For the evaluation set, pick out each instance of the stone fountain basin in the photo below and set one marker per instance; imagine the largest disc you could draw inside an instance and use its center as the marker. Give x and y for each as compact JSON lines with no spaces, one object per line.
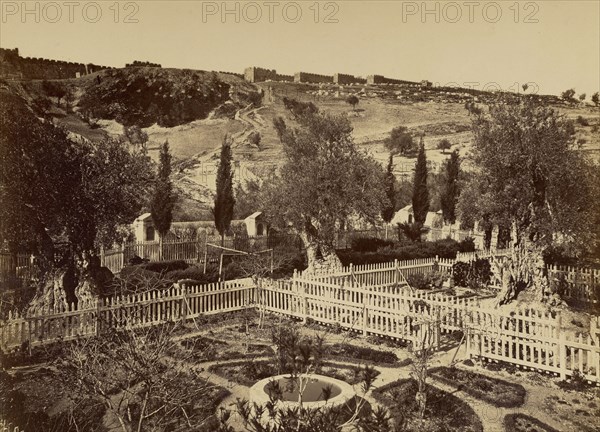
{"x":340,"y":391}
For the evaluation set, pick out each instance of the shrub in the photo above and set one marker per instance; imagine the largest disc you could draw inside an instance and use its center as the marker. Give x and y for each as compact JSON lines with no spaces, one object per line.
{"x":369,"y":244}
{"x":474,"y":274}
{"x":576,"y":383}
{"x":582,"y":121}
{"x":165,"y":266}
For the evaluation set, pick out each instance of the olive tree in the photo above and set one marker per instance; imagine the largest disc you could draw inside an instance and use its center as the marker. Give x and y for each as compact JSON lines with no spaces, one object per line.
{"x":530,"y":180}
{"x":324,"y":183}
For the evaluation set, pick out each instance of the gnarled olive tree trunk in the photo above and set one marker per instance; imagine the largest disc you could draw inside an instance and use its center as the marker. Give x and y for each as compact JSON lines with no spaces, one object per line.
{"x":79,"y":280}
{"x":320,"y":255}
{"x":523,"y":270}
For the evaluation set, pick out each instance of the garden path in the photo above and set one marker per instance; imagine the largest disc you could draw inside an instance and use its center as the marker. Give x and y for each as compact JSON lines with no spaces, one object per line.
{"x":491,"y":416}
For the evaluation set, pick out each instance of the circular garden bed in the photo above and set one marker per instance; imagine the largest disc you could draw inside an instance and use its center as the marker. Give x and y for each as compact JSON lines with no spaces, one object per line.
{"x":443,"y":412}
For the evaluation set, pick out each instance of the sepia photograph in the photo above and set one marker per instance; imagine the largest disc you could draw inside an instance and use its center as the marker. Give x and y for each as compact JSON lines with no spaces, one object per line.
{"x":300,"y":216}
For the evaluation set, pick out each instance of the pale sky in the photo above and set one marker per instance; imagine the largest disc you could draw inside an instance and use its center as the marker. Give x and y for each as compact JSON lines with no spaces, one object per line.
{"x":554,"y":44}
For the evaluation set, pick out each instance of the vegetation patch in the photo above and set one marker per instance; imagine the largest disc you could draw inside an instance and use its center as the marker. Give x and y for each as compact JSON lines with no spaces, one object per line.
{"x":518,"y":422}
{"x":426,"y":281}
{"x":27,"y":399}
{"x":208,"y":349}
{"x":145,"y":96}
{"x":444,"y":411}
{"x":249,"y":372}
{"x":356,"y":353}
{"x":442,"y":248}
{"x":495,"y":391}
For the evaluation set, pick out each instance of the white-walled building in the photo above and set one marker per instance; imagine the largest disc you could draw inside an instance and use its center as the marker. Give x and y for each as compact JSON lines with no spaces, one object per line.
{"x":144,"y":230}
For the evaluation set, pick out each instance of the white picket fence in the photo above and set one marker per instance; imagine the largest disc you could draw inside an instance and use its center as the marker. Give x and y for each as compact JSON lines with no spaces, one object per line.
{"x":581,"y":284}
{"x":369,"y":299}
{"x":380,"y":274}
{"x":533,"y":340}
{"x":130,"y":311}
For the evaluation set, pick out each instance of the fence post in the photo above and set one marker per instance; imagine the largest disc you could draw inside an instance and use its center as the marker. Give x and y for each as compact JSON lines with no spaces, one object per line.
{"x":365,"y":319}
{"x":397,"y":270}
{"x":98,"y":320}
{"x":184,"y":308}
{"x":562,"y":348}
{"x":102,"y":257}
{"x":122,"y":254}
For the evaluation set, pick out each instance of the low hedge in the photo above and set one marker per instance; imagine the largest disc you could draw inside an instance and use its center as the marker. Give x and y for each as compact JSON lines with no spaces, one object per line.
{"x":369,"y":244}
{"x":253,"y":371}
{"x":518,"y":422}
{"x":352,"y":352}
{"x":444,"y":411}
{"x":442,"y":248}
{"x":495,"y":391}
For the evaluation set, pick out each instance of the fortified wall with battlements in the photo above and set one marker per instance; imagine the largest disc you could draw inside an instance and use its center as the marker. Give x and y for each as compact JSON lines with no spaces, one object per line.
{"x":12,"y":65}
{"x":257,"y":74}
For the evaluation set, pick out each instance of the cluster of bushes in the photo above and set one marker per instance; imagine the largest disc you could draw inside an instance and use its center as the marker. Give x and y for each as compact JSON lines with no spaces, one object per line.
{"x":162,"y":274}
{"x":369,"y":244}
{"x":298,"y":108}
{"x":474,"y":274}
{"x":430,"y":280}
{"x":442,"y":248}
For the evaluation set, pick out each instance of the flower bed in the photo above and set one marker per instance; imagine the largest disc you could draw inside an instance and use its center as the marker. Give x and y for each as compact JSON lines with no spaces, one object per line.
{"x":208,"y":349}
{"x":354,"y":353}
{"x":443,"y":411}
{"x":248,"y":372}
{"x":523,"y":423}
{"x":495,"y":391}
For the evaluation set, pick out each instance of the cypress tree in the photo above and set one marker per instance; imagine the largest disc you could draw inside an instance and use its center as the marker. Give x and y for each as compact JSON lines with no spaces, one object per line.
{"x":224,"y":200}
{"x":420,"y":197}
{"x":387,"y":212}
{"x":163,"y":201}
{"x":451,"y":189}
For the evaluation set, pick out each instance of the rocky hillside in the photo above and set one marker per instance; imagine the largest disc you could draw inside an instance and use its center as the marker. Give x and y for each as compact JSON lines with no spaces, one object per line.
{"x":145,"y":96}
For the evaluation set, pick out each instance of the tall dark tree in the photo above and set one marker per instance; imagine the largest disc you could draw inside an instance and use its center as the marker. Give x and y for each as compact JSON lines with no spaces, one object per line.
{"x":387,"y":212}
{"x":451,"y":189}
{"x":163,"y":201}
{"x":420,"y":197}
{"x":224,"y":200}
